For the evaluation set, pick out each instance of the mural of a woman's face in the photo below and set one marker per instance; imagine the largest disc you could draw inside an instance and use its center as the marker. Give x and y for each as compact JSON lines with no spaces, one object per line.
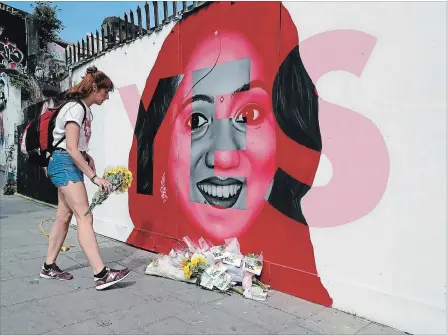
{"x":222,"y":152}
{"x":211,"y":155}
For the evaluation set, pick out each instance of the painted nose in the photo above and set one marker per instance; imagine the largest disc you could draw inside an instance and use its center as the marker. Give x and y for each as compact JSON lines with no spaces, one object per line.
{"x":225,"y":149}
{"x":223,"y":159}
{"x":226,"y":159}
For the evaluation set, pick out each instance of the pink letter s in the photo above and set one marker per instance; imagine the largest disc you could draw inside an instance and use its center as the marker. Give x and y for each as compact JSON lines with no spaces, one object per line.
{"x":351,"y":141}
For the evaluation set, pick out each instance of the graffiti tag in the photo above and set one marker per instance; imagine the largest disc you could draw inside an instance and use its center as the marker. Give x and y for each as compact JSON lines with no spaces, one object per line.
{"x":13,"y":66}
{"x":9,"y":9}
{"x":11,"y":53}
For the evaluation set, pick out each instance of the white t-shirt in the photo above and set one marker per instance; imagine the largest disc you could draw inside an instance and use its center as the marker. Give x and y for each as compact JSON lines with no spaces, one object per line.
{"x":73,"y":111}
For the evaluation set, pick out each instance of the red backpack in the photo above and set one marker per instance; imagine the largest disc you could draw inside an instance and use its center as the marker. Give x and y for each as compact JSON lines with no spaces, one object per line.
{"x":37,"y":137}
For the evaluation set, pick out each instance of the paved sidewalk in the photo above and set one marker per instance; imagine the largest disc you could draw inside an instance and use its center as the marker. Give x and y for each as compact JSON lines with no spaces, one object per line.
{"x":141,"y":304}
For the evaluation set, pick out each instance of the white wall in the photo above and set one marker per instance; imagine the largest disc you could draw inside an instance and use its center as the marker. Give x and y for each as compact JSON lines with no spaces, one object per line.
{"x":390,"y":264}
{"x":12,"y":117}
{"x":112,"y":131}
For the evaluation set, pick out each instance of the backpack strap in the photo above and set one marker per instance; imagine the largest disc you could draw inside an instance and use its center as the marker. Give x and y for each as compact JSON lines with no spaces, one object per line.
{"x":83,"y":120}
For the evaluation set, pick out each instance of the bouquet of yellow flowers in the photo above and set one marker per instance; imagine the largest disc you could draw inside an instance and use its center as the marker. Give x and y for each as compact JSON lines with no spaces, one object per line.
{"x":120,"y":178}
{"x":194,"y":266}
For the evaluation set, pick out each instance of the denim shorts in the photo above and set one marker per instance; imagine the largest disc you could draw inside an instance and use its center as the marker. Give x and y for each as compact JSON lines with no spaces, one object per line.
{"x":62,"y":169}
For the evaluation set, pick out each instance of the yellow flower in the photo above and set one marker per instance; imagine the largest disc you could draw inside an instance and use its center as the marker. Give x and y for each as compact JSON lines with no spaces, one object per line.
{"x":187,"y":272}
{"x":196,"y":261}
{"x":125,"y":175}
{"x":199,"y":259}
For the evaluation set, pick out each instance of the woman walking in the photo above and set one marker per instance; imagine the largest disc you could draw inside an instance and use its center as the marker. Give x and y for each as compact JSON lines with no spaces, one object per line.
{"x":67,"y":167}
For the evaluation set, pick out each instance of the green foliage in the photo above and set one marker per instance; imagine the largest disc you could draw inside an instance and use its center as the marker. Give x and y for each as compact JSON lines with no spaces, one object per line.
{"x":28,"y":86}
{"x":19,"y":81}
{"x":48,"y":24}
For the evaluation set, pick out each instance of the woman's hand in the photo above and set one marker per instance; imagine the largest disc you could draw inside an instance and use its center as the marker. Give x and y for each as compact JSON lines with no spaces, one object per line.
{"x":103,"y":184}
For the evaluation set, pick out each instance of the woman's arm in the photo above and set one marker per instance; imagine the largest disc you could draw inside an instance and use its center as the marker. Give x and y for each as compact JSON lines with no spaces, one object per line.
{"x":72,"y":131}
{"x":91,"y":162}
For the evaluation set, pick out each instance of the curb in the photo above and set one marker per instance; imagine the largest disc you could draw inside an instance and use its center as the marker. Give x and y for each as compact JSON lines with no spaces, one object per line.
{"x":35,"y":200}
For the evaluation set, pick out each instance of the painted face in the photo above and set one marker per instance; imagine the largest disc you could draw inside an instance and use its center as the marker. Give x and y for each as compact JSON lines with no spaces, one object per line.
{"x":222,"y":156}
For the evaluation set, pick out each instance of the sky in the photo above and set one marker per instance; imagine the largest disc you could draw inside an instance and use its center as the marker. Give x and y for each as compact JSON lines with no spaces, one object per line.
{"x":82,"y":17}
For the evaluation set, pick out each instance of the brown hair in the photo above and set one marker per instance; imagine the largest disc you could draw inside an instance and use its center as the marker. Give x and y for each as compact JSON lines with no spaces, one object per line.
{"x":85,"y":87}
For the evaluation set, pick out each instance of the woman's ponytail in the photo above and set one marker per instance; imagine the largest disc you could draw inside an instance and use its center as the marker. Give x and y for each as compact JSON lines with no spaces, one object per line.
{"x":85,"y":87}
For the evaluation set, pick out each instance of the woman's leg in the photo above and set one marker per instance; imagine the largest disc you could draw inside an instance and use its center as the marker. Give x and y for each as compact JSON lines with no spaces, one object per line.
{"x":76,"y":198}
{"x":59,"y":230}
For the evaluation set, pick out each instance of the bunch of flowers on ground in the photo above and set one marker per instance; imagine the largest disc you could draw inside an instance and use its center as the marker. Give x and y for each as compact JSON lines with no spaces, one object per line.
{"x":222,"y":268}
{"x":194,"y":267}
{"x":120,"y":178}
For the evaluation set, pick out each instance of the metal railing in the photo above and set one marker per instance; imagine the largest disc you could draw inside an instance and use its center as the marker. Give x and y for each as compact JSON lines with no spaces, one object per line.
{"x":118,"y":31}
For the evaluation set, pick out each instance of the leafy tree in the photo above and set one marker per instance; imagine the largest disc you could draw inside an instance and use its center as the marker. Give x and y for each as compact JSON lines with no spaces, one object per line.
{"x":48,"y":25}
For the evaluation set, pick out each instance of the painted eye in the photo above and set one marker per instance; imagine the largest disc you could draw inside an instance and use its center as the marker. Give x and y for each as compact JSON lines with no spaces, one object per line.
{"x":251,"y":114}
{"x":196,"y":121}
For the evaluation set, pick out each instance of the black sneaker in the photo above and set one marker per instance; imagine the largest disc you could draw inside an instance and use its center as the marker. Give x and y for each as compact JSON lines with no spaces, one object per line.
{"x":54,"y":272}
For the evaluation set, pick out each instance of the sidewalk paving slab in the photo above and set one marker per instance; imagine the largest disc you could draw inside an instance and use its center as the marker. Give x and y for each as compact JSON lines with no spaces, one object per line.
{"x":175,"y":326}
{"x":90,"y":326}
{"x":26,"y":318}
{"x":378,"y":329}
{"x":141,"y":304}
{"x":213,"y":320}
{"x":290,"y":304}
{"x":332,"y":321}
{"x":264,"y":316}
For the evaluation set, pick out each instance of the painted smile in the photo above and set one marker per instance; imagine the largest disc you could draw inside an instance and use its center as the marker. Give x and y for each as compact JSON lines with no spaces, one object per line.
{"x":222,"y":193}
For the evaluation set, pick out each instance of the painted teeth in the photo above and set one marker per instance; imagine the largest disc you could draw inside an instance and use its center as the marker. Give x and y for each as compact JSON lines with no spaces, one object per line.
{"x":220,"y":191}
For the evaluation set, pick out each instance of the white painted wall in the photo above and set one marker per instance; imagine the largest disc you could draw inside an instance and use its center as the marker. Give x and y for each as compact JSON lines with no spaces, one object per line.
{"x":112,"y":132}
{"x":390,"y":265}
{"x":12,"y":117}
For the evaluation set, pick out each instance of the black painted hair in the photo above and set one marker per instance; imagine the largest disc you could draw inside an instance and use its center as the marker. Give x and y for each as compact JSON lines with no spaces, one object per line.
{"x":146,"y":127}
{"x":295,"y":106}
{"x":295,"y":102}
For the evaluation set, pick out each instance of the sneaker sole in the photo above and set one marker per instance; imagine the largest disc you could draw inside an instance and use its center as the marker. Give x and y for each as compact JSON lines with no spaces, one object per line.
{"x":104,"y":286}
{"x":49,"y":277}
